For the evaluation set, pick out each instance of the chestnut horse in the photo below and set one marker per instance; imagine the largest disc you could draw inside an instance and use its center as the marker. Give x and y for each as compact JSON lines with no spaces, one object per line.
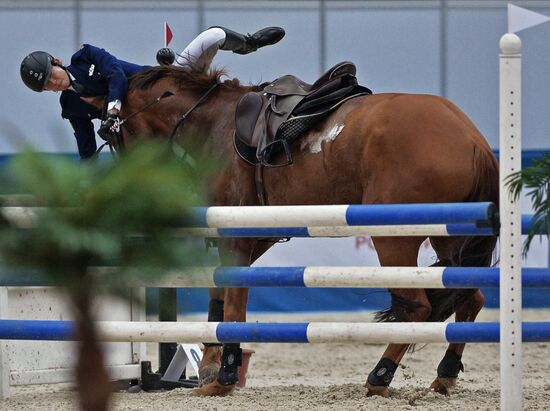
{"x":390,"y":148}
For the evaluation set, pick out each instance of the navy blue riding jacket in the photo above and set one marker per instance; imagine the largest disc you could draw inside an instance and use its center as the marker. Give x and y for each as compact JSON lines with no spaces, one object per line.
{"x":99,"y":74}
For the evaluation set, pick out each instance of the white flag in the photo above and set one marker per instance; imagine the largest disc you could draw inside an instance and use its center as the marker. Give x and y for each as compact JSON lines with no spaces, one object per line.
{"x":520,"y":18}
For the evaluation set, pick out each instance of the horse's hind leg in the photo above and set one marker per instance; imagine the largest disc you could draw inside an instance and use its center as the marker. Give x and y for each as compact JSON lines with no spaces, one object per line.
{"x":451,"y":364}
{"x":407,"y":305}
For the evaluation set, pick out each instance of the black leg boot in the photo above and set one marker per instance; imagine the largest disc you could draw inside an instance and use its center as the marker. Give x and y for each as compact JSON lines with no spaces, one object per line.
{"x":244,"y":44}
{"x":215,"y":314}
{"x":215,"y":310}
{"x":231,"y":361}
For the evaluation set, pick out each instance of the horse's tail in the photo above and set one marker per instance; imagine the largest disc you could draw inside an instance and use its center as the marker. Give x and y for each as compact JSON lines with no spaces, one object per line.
{"x":457,"y":251}
{"x":477,"y":251}
{"x":468,"y":251}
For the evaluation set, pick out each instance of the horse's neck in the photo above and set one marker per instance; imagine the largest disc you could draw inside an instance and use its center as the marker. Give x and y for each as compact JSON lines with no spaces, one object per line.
{"x":217,"y":120}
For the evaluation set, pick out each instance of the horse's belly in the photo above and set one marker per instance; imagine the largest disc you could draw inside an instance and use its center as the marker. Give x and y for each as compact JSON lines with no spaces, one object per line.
{"x":326,"y":166}
{"x":315,"y":178}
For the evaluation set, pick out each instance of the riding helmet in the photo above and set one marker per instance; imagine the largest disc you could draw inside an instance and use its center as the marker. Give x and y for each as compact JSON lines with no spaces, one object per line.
{"x":36,"y":69}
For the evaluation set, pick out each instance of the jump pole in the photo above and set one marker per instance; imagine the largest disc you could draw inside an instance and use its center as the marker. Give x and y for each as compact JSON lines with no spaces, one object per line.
{"x":298,"y":277}
{"x":511,"y":362}
{"x":314,"y":332}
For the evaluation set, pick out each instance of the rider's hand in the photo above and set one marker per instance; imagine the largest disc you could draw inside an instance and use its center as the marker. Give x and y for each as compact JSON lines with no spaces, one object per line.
{"x":110,"y":126}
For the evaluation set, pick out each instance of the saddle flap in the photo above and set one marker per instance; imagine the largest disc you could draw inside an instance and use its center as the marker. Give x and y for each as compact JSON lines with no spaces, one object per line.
{"x":247,"y":112}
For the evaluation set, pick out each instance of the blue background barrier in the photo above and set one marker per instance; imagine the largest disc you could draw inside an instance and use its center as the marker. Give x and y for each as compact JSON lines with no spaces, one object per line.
{"x":302,"y":300}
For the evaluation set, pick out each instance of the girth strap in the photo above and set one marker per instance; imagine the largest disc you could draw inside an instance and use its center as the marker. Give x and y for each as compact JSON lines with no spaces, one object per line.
{"x":259,"y":181}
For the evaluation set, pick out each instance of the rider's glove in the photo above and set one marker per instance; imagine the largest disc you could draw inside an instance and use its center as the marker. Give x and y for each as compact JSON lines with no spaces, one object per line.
{"x":109,"y":127}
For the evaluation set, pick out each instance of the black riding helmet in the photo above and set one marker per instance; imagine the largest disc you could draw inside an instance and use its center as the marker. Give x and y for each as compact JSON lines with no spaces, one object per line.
{"x":36,"y":70}
{"x":166,"y":56}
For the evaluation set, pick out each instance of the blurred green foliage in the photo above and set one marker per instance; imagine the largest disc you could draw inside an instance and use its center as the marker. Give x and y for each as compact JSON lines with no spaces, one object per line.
{"x":118,"y":213}
{"x":536,"y":180}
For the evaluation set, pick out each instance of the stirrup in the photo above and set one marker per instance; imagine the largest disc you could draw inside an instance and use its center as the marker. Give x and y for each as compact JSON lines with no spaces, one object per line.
{"x":270,"y":148}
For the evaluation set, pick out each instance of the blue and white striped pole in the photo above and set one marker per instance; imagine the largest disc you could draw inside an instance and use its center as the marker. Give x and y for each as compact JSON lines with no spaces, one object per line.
{"x":25,"y":217}
{"x":315,"y":216}
{"x":341,"y":215}
{"x":316,"y":332}
{"x":440,"y":230}
{"x":305,"y":277}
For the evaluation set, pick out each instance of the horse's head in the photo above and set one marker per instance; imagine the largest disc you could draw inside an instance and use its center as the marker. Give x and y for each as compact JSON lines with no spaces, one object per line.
{"x":197,"y":103}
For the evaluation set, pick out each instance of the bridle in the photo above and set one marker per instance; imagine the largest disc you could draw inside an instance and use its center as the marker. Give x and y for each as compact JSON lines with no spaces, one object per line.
{"x":177,"y":149}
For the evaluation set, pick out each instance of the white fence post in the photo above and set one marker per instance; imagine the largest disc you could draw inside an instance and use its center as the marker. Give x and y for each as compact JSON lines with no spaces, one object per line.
{"x":511,"y":363}
{"x":4,"y":360}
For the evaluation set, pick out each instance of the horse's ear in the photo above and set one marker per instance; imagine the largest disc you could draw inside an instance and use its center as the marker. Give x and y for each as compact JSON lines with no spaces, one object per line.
{"x":96,"y":101}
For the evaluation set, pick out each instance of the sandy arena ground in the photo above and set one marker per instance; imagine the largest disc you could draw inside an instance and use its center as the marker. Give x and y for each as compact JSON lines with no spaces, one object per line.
{"x":331,"y":377}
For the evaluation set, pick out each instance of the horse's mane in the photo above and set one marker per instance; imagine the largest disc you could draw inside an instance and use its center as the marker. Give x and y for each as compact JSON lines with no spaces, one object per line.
{"x":185,"y":78}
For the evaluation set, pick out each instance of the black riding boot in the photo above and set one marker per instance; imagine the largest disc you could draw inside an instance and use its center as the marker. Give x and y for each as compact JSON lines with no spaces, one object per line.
{"x":244,"y":44}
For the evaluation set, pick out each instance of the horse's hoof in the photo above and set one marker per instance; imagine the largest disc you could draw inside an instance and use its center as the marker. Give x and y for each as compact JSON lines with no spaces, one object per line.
{"x":214,"y":389}
{"x":210,"y":364}
{"x":208,"y":374}
{"x":443,"y":385}
{"x":379,"y":390}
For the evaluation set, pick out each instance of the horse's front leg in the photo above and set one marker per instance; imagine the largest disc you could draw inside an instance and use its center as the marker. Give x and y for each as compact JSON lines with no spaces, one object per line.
{"x":451,"y":364}
{"x":231,"y":353}
{"x":221,"y":363}
{"x":212,"y":352}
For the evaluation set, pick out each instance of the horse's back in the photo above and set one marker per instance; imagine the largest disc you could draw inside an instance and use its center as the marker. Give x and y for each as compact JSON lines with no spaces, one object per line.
{"x":384,"y":148}
{"x":419,"y":148}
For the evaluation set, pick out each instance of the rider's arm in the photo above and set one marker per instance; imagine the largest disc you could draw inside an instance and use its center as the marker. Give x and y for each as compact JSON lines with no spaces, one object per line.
{"x":80,"y":116}
{"x":112,"y":70}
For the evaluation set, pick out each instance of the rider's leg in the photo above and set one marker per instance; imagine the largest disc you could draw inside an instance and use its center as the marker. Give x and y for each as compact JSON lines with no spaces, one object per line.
{"x":244,"y":44}
{"x":201,"y":51}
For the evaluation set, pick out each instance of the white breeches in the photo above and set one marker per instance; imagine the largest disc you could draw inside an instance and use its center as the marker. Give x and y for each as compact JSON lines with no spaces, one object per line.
{"x":201,"y":51}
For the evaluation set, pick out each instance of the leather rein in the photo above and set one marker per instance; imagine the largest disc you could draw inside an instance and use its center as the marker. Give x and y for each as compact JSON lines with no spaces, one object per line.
{"x":178,"y":150}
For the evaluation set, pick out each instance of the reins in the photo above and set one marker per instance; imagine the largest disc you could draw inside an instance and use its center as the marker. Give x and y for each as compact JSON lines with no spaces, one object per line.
{"x":177,"y":149}
{"x":167,"y":93}
{"x":193,"y":107}
{"x":120,"y":141}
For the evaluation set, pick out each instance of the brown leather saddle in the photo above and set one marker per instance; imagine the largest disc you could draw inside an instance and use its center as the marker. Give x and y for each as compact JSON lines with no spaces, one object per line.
{"x":269,"y":121}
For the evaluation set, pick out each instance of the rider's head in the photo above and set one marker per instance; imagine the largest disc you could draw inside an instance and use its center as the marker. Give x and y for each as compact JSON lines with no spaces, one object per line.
{"x":166,"y":56}
{"x":41,"y":71}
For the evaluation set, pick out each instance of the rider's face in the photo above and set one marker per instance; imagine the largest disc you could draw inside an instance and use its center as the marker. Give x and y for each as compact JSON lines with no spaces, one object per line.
{"x":59,"y":80}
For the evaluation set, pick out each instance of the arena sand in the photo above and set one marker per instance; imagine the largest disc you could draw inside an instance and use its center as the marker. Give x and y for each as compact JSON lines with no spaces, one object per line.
{"x":331,"y":377}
